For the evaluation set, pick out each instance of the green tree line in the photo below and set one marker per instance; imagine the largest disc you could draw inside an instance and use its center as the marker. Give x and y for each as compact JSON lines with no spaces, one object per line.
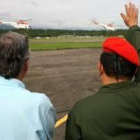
{"x":55,"y":32}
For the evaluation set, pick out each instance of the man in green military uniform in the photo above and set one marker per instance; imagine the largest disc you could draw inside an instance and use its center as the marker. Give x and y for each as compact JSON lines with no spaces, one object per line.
{"x":114,"y":112}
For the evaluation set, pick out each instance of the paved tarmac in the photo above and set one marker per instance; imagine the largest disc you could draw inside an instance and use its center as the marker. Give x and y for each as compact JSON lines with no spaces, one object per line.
{"x":66,"y":76}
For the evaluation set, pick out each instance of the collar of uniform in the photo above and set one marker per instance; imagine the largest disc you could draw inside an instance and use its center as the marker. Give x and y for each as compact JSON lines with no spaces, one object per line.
{"x":11,"y":82}
{"x":116,"y":87}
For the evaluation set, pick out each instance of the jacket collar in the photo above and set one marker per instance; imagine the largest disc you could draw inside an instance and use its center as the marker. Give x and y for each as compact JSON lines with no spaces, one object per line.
{"x":116,"y":87}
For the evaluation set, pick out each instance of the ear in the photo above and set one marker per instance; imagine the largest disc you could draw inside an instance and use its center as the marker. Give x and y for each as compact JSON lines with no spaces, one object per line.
{"x":26,"y":66}
{"x":24,"y":70}
{"x":100,"y":68}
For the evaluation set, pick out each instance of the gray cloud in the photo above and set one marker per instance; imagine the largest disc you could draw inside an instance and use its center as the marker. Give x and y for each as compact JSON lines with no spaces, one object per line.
{"x":65,"y":13}
{"x":5,"y":14}
{"x":34,"y":3}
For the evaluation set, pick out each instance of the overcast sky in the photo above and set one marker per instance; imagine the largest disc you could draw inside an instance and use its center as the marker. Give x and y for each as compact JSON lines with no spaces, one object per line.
{"x":61,"y":14}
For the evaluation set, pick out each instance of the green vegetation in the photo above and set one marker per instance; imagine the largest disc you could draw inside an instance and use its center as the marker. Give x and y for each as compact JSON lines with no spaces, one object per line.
{"x":55,"y":32}
{"x":66,"y":39}
{"x":65,"y":43}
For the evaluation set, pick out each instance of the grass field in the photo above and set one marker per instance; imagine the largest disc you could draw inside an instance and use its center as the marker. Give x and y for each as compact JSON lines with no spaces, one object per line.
{"x":65,"y":43}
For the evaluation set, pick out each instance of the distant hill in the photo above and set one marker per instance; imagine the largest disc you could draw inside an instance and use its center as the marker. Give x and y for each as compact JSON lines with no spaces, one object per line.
{"x":6,"y":27}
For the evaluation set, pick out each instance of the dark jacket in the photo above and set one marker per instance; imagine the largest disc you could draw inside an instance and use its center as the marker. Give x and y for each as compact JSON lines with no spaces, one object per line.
{"x":113,"y":113}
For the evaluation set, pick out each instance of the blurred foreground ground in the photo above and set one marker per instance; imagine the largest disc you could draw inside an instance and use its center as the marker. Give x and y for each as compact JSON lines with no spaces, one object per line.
{"x":66,"y":76}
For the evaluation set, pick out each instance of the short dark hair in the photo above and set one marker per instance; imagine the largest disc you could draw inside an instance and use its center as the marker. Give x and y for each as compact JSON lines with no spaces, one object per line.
{"x":14,"y":50}
{"x":116,"y":66}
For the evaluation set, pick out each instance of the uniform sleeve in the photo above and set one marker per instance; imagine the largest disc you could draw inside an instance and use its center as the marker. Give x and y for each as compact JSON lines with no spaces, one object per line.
{"x":133,"y":36}
{"x":72,"y":129}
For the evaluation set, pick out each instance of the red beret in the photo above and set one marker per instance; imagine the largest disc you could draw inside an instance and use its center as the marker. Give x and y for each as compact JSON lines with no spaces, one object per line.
{"x":122,"y":48}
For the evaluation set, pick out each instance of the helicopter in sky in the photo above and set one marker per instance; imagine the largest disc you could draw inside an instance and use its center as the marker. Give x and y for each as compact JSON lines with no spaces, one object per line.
{"x":19,"y":24}
{"x":109,"y":26}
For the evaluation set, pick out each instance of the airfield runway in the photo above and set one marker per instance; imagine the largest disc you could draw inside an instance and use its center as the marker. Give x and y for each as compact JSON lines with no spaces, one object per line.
{"x":66,"y":76}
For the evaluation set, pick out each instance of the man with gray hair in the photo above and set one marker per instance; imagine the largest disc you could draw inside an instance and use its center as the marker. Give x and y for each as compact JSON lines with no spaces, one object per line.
{"x":24,"y":115}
